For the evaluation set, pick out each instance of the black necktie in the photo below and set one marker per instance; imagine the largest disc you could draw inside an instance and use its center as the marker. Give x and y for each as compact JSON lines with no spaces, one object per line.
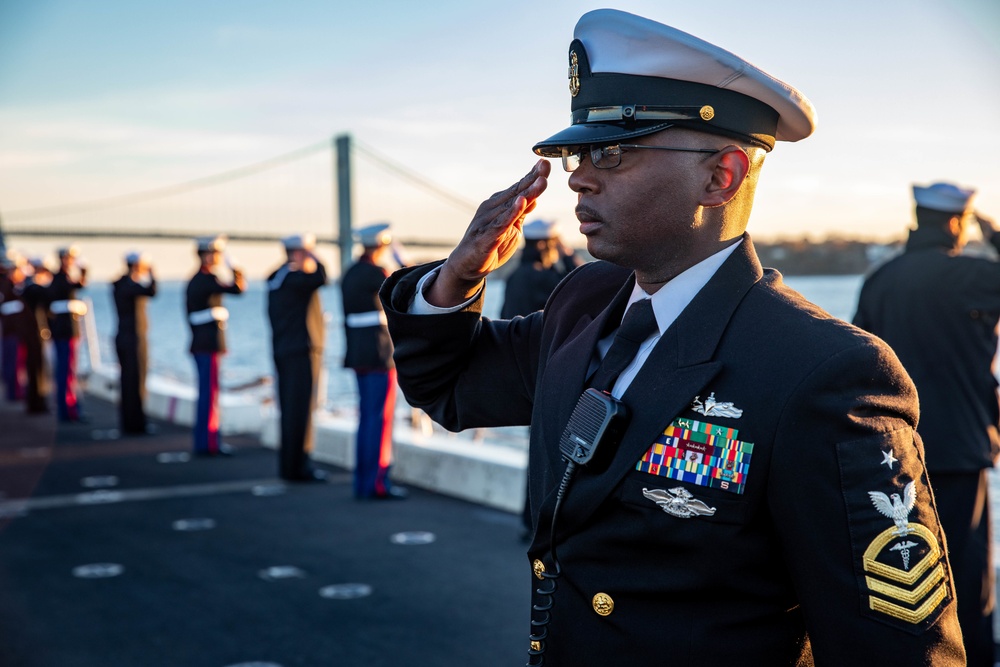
{"x":638,"y":325}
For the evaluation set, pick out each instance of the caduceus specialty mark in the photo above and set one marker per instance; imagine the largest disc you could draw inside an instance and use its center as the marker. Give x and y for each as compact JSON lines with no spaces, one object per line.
{"x":904,"y":549}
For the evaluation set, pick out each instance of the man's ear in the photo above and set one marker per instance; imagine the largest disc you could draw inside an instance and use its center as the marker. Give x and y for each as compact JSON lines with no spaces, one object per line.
{"x":731,"y":168}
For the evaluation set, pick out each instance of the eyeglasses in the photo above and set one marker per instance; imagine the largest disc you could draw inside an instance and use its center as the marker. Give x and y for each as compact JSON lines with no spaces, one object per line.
{"x":609,"y":157}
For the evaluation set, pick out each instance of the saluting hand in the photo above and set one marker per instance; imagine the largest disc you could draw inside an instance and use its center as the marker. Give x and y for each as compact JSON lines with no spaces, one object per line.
{"x":492,"y":237}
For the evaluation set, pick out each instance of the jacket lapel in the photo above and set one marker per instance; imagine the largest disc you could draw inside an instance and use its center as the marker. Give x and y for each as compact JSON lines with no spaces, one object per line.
{"x":680,"y":367}
{"x":573,"y":359}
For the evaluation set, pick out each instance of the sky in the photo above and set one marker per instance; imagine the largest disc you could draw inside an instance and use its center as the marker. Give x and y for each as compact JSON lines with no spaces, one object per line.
{"x":110,"y":97}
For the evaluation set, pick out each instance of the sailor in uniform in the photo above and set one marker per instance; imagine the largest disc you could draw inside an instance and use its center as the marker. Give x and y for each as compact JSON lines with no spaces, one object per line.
{"x":297,"y":337}
{"x":721,"y":473}
{"x":130,"y":293}
{"x":65,"y":313}
{"x":207,"y":318}
{"x":542,"y":266}
{"x":369,"y":353}
{"x":938,"y":309}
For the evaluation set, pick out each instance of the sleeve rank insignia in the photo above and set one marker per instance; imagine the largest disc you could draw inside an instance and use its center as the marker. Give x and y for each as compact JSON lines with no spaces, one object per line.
{"x":909,"y":594}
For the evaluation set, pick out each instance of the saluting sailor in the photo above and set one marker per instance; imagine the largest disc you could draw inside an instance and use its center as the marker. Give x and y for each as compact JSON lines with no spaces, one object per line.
{"x":130,"y":293}
{"x":207,"y":318}
{"x":297,"y":337}
{"x":724,"y":517}
{"x":65,"y":313}
{"x":369,"y":353}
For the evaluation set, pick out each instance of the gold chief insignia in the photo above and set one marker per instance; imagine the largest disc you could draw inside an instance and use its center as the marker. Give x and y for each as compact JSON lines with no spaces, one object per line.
{"x":574,"y":74}
{"x":909,"y":594}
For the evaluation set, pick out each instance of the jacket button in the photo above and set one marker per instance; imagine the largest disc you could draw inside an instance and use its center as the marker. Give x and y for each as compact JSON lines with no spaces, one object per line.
{"x":538,"y":567}
{"x":603,"y":604}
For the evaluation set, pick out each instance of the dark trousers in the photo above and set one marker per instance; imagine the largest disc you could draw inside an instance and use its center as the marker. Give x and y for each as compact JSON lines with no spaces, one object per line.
{"x":206,"y":423}
{"x":35,"y":366}
{"x":377,"y":393}
{"x":963,"y":506}
{"x":11,"y":362}
{"x":132,"y":416}
{"x":296,"y":394}
{"x":67,"y":402}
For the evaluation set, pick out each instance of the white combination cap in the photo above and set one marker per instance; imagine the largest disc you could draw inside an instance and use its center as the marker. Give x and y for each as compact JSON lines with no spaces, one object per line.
{"x":630,"y":76}
{"x":135,"y":257}
{"x":943,"y":197}
{"x":375,"y":235}
{"x":211,"y":243}
{"x":69,"y":251}
{"x":537,"y":230}
{"x":299,"y":242}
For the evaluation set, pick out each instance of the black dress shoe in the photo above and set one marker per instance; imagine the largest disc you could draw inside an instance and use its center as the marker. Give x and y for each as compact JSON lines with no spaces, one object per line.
{"x":393,"y":493}
{"x":311,"y":475}
{"x":223,"y":450}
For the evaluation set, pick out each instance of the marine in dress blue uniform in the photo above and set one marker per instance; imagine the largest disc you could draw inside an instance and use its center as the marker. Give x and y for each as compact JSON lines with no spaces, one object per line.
{"x":130,"y":293}
{"x":11,"y":310}
{"x":35,"y":332}
{"x":297,"y":336}
{"x":765,"y":500}
{"x":369,"y":353}
{"x":65,"y":311}
{"x":938,"y":309}
{"x":207,"y":318}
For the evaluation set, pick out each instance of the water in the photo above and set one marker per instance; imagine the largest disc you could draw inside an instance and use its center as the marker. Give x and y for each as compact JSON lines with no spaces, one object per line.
{"x":248,"y":335}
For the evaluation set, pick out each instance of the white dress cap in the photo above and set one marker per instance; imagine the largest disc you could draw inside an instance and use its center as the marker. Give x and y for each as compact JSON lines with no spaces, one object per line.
{"x":135,"y":257}
{"x":375,"y":235}
{"x":70,"y":251}
{"x":943,"y":197}
{"x":211,"y":243}
{"x":631,"y":76}
{"x":299,"y":242}
{"x":537,"y":230}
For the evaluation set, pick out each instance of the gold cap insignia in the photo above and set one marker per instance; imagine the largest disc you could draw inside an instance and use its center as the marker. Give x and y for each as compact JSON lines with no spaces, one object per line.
{"x":574,"y":74}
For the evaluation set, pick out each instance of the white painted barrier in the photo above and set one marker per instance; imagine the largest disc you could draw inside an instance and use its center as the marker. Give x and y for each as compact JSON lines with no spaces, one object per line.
{"x":452,"y":465}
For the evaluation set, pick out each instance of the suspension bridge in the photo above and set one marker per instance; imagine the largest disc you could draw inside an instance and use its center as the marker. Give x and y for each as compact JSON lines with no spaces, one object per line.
{"x":322,"y":188}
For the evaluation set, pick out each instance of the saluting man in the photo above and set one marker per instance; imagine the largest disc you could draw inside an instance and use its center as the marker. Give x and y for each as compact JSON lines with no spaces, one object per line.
{"x":297,"y":337}
{"x":66,"y":310}
{"x":35,"y":332}
{"x":130,"y":293}
{"x":938,"y":309}
{"x":207,"y":317}
{"x":731,"y":498}
{"x":369,"y":354}
{"x":11,"y":312}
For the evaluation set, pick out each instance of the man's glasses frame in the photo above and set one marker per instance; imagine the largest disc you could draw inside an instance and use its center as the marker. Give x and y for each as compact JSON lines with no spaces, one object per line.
{"x":609,"y":157}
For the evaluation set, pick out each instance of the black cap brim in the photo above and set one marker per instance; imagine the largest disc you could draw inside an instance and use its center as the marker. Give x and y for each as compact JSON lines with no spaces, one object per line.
{"x":588,"y":134}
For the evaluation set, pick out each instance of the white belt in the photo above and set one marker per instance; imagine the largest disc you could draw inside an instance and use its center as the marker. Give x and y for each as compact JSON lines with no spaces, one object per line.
{"x":372,"y":318}
{"x":217,"y":314}
{"x":11,"y":307}
{"x":74,"y":306}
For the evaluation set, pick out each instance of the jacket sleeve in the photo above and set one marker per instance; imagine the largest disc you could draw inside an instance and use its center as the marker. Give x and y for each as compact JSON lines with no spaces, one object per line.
{"x":463,"y":370}
{"x":869,"y":565}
